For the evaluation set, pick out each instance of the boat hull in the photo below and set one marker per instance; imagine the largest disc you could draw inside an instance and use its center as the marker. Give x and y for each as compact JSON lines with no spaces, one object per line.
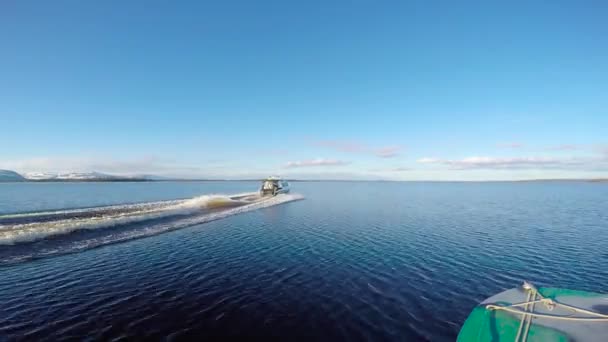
{"x":489,"y":322}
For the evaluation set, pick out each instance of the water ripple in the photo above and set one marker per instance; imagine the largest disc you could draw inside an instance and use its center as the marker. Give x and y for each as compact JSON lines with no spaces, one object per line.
{"x":355,"y":261}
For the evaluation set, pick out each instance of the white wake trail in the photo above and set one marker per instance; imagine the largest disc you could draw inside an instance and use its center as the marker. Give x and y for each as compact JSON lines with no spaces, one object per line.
{"x":112,"y":216}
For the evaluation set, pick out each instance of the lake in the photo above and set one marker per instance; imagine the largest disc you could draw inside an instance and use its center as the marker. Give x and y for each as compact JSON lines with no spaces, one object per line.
{"x":378,"y":261}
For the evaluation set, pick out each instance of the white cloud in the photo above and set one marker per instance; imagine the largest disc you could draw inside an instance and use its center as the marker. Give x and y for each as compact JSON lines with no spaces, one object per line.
{"x":346,"y":176}
{"x":401,"y":169}
{"x":388,"y":152}
{"x":360,"y":148}
{"x":511,"y":145}
{"x":316,"y":162}
{"x":603,"y":151}
{"x":391,"y":169}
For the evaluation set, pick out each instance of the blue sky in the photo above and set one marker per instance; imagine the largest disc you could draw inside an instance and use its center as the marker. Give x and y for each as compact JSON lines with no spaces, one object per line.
{"x":438,"y":90}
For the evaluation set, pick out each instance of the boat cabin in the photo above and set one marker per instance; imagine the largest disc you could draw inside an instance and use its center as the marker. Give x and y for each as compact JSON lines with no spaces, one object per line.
{"x":273,"y":186}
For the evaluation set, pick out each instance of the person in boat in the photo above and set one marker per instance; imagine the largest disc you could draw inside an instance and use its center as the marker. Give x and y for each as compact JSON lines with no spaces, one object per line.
{"x":274,"y":186}
{"x":269,"y":187}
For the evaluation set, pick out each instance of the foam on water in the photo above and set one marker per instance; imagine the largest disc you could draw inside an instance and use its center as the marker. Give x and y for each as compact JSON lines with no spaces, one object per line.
{"x":185,"y":212}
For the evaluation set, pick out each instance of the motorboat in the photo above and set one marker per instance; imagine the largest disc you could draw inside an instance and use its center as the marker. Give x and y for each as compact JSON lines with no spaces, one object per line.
{"x":273,"y":186}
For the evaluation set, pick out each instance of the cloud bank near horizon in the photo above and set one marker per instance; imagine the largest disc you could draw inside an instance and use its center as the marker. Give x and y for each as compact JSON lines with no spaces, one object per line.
{"x":589,"y":160}
{"x":477,"y":162}
{"x":315,"y":162}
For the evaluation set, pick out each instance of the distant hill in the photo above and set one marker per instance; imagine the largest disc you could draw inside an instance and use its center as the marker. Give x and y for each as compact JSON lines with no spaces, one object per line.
{"x":10,"y":176}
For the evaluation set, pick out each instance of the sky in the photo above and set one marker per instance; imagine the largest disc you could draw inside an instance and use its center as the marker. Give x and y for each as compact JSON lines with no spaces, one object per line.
{"x":397,"y":90}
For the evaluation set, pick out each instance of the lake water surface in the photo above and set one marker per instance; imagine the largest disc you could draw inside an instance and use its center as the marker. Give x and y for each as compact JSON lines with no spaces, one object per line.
{"x":378,"y":261}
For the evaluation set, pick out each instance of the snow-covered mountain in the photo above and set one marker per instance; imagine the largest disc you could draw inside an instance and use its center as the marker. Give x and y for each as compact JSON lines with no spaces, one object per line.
{"x":39,"y":175}
{"x":10,"y":176}
{"x":76,"y":176}
{"x":57,"y":176}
